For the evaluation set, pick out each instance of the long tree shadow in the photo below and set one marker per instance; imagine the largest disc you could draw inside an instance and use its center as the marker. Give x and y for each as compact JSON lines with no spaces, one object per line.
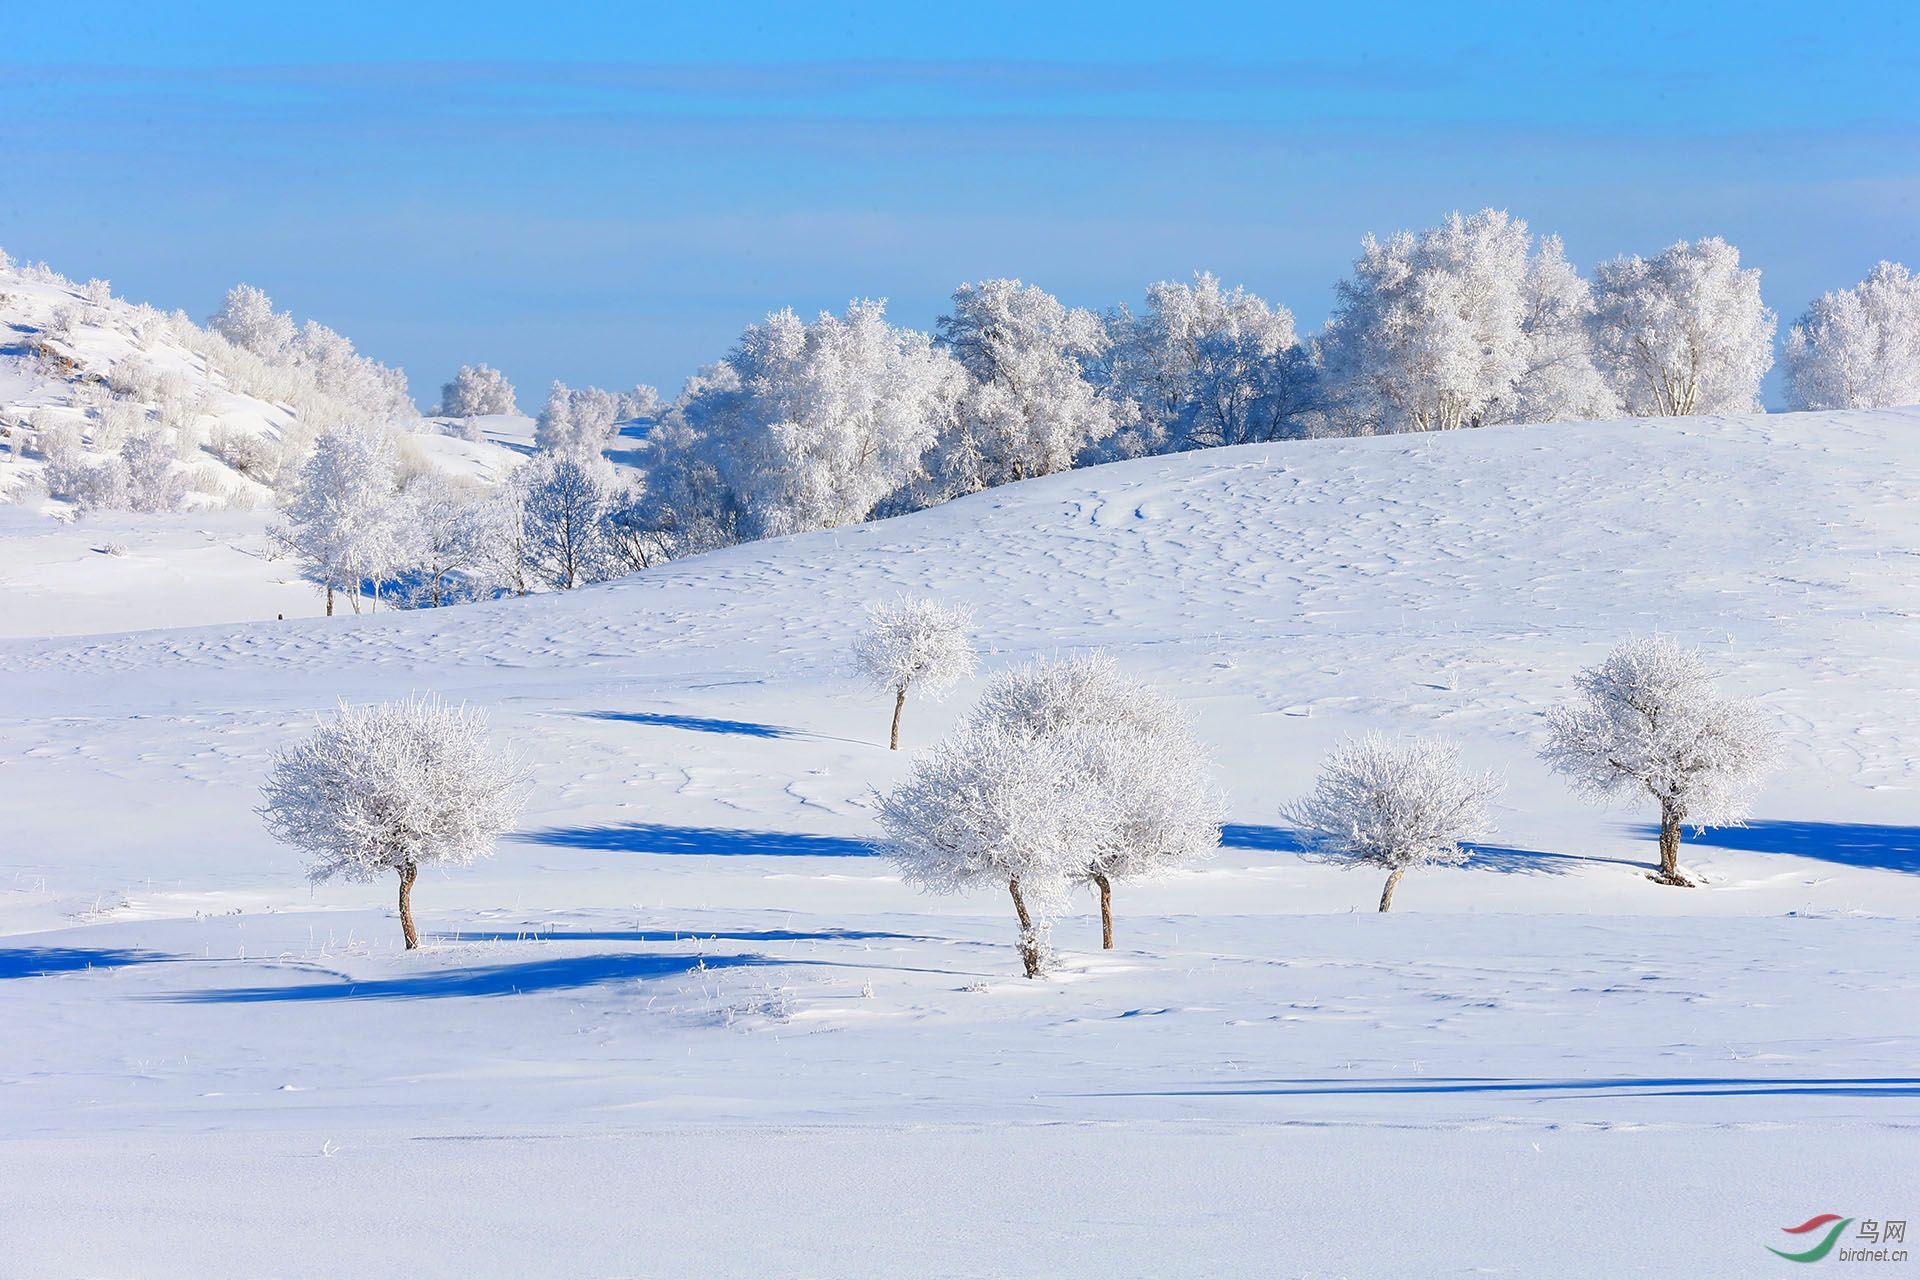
{"x":1483,"y":857}
{"x":34,"y":962}
{"x":1851,"y":844}
{"x":718,"y":842}
{"x":560,"y":974}
{"x":673,"y":935}
{"x":696,"y":724}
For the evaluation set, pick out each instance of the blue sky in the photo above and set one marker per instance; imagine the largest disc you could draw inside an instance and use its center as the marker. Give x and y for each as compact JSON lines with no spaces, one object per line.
{"x":607,"y":194}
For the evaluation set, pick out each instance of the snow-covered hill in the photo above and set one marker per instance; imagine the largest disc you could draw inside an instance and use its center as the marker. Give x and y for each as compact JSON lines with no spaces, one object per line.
{"x":710,"y":1031}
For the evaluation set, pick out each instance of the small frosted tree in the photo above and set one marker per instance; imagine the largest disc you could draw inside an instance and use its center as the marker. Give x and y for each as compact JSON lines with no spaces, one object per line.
{"x":1157,"y":806}
{"x":391,"y":788}
{"x":989,"y":808}
{"x":914,"y":643}
{"x":566,"y":502}
{"x":1395,"y":804}
{"x":342,"y":522}
{"x":1648,"y":721}
{"x":477,"y":391}
{"x":247,"y":320}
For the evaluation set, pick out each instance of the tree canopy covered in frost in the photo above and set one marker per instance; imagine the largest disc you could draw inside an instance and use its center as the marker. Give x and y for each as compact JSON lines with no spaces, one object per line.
{"x":1067,"y":773}
{"x":1462,"y":325}
{"x":341,"y":519}
{"x":576,"y":421}
{"x":1394,"y":803}
{"x":1684,"y":332}
{"x":391,"y":788}
{"x":803,"y":426}
{"x":477,"y":391}
{"x":1158,"y":806}
{"x":1207,"y":366}
{"x":312,"y":368}
{"x":914,"y":643}
{"x":567,"y":500}
{"x":1648,"y":721}
{"x":1858,"y":348}
{"x":1029,"y":409}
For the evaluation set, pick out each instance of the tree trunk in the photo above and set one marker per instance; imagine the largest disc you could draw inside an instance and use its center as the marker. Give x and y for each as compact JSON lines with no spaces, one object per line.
{"x":1029,"y":944}
{"x":407,"y":874}
{"x":1106,"y":910}
{"x":1669,"y":872}
{"x":329,"y":599}
{"x":1386,"y":894}
{"x":899,"y":702}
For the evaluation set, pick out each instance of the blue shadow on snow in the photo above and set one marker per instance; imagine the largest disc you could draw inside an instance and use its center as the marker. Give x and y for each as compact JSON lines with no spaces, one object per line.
{"x":1483,"y":857}
{"x":34,"y":962}
{"x":1624,"y":1086}
{"x":493,"y":980}
{"x":696,"y":724}
{"x":670,"y":935}
{"x":1851,"y":844}
{"x":723,"y":842}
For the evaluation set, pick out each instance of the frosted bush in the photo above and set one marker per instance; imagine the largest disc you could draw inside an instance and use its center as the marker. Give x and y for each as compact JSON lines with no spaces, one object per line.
{"x":913,"y":643}
{"x":475,"y":391}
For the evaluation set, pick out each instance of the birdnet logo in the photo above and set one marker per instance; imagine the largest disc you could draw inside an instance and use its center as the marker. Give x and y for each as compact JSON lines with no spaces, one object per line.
{"x":1822,"y":1231}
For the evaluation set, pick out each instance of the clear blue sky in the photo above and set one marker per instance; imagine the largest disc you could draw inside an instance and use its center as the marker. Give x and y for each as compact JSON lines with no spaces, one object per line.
{"x":606,"y":194}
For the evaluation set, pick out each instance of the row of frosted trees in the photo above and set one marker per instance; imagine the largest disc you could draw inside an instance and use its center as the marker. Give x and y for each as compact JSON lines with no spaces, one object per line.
{"x":1067,"y":774}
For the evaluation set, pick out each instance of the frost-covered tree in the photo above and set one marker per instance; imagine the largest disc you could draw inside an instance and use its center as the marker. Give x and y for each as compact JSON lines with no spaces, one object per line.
{"x":1858,"y":348}
{"x":575,"y":421}
{"x":1462,"y":325}
{"x":641,"y":402}
{"x":443,"y":529}
{"x":341,"y":522}
{"x":914,"y":643}
{"x":1648,"y":721}
{"x":1684,"y":332}
{"x":477,"y":391}
{"x":247,"y":320}
{"x":1155,"y":803}
{"x":1208,"y":366}
{"x":153,"y":482}
{"x":803,"y":426}
{"x":566,"y":501}
{"x":991,"y":808}
{"x":392,"y":788}
{"x":1031,"y":410}
{"x":1395,"y":804}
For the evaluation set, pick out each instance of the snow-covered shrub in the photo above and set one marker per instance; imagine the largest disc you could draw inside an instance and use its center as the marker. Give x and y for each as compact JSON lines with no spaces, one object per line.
{"x":119,"y":418}
{"x":91,"y":483}
{"x":251,"y":454}
{"x":391,"y":788}
{"x":134,"y":378}
{"x":476,"y":391}
{"x":247,"y":319}
{"x":152,"y":483}
{"x":913,"y":643}
{"x":989,"y":808}
{"x":1683,"y":333}
{"x":575,"y":421}
{"x":1648,"y":721}
{"x":1464,"y":325}
{"x":341,"y":521}
{"x":1395,"y":804}
{"x":1206,"y":367}
{"x":1156,"y":805}
{"x":1858,"y":348}
{"x":1029,"y":409}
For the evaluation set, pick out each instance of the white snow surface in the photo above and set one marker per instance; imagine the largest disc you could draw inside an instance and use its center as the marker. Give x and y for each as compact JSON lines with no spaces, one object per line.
{"x":683,"y":1023}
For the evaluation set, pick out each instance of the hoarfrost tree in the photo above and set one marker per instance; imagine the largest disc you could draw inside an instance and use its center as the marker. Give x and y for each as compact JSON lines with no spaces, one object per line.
{"x":575,"y":421}
{"x":1395,"y":804}
{"x":1648,"y":721}
{"x":990,"y":808}
{"x":443,"y":529}
{"x":392,"y":788}
{"x":1460,"y":326}
{"x":247,"y":320}
{"x":477,"y":391}
{"x":1684,"y":332}
{"x":566,"y":502}
{"x":153,"y":482}
{"x":914,"y":643}
{"x":342,"y":521}
{"x":1151,"y":780}
{"x":803,"y":426}
{"x":1031,"y":410}
{"x":1208,"y":366}
{"x":1858,"y":348}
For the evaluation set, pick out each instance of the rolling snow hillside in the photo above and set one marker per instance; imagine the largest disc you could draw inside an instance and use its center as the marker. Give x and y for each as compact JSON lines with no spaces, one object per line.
{"x":684,"y":1022}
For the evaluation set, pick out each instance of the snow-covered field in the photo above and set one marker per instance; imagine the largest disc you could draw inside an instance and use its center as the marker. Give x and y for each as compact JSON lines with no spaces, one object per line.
{"x":684,"y":1023}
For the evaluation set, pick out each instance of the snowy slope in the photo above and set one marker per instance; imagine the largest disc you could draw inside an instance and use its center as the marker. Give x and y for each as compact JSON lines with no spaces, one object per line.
{"x":657,"y":995}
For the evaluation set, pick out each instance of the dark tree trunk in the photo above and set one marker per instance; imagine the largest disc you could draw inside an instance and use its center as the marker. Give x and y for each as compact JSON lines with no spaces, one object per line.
{"x":1106,"y":910}
{"x":899,"y":703}
{"x":1386,"y":894}
{"x":329,"y":599}
{"x":1029,"y":944}
{"x":1669,"y":872}
{"x":407,"y":875}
